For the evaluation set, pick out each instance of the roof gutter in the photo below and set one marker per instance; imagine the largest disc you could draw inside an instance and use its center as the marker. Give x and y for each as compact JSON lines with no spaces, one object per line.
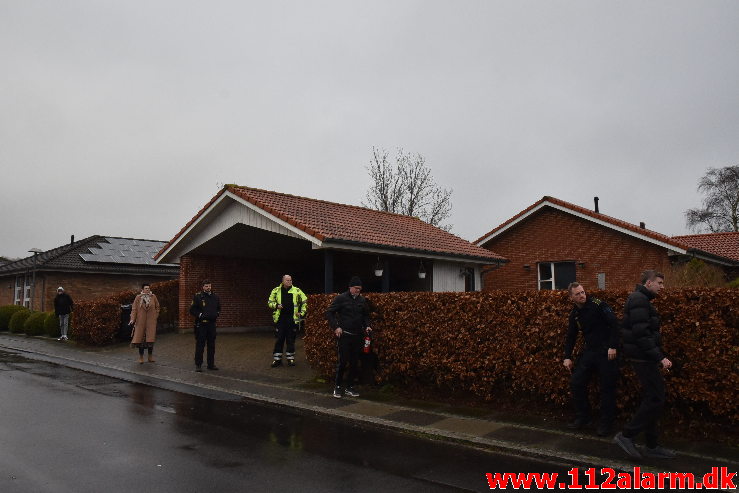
{"x":339,"y":244}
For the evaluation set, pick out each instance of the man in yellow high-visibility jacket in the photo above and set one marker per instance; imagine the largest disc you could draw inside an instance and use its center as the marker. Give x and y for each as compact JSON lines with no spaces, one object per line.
{"x":289,"y":305}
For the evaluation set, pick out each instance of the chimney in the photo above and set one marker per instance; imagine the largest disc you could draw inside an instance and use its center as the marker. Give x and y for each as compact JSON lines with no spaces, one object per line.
{"x":596,"y":199}
{"x":71,"y":241}
{"x":642,"y":225}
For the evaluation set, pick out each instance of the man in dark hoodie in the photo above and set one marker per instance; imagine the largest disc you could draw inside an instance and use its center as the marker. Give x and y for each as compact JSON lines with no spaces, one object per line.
{"x":599,"y":326}
{"x":63,"y":306}
{"x":205,"y":307}
{"x":643,"y":349}
{"x":348,"y":316}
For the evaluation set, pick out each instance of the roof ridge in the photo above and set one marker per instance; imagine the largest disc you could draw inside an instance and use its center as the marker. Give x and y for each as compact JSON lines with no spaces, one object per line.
{"x":395,"y":214}
{"x":325,"y":201}
{"x":708,"y":234}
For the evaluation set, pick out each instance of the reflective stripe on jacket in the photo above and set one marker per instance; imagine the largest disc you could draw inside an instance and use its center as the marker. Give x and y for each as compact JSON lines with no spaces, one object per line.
{"x":300,"y":303}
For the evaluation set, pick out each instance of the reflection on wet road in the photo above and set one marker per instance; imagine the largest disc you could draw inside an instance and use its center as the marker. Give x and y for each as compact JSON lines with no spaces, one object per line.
{"x":67,"y":430}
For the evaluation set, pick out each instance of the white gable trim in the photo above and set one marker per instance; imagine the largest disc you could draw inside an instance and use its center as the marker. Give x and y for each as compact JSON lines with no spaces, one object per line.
{"x":276,"y":219}
{"x":201,"y":226}
{"x":587,"y":217}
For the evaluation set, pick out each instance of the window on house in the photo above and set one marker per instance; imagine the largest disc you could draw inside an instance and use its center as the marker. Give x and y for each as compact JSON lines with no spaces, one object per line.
{"x":18,"y":290}
{"x":556,"y":275}
{"x":27,"y":291}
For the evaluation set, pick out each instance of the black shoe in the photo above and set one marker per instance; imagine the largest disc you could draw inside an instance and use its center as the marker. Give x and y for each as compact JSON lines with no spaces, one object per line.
{"x":627,"y":444}
{"x":214,"y":367}
{"x":337,"y":392}
{"x":604,"y":429}
{"x":276,"y":363}
{"x":658,"y":453}
{"x":198,"y":368}
{"x":291,"y":362}
{"x":578,"y":424}
{"x":351,"y":392}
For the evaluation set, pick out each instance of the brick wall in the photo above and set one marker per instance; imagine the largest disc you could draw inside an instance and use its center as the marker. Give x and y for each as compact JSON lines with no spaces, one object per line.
{"x":551,"y":235}
{"x":81,"y":287}
{"x":243,"y":285}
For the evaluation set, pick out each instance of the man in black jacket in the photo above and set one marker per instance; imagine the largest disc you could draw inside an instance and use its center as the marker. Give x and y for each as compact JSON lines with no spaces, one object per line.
{"x":348,"y":316}
{"x":599,"y":326}
{"x":643,"y":349}
{"x":63,"y":306}
{"x":205,"y":307}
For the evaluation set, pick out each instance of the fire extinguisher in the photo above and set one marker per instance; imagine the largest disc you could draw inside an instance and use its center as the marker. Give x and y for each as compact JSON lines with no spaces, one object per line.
{"x":367,"y":344}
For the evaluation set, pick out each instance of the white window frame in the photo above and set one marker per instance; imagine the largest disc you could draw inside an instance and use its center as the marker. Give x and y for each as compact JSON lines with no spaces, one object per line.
{"x":538,"y":275}
{"x":553,"y":279}
{"x":27,"y":291}
{"x":18,"y":290}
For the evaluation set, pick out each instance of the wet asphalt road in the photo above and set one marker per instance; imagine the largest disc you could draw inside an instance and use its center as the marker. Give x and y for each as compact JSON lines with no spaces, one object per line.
{"x":65,"y":430}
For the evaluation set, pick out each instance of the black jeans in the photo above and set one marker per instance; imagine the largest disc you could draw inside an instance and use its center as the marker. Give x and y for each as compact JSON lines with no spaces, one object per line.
{"x":205,"y":333}
{"x":349,"y":347}
{"x":591,"y":362}
{"x":286,"y":331}
{"x":652,"y":402}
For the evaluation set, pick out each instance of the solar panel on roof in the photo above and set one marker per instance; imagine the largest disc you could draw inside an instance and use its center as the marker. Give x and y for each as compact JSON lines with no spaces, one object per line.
{"x":124,"y":251}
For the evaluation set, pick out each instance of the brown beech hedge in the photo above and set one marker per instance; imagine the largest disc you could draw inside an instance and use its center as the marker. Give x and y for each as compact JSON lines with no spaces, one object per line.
{"x":97,"y":321}
{"x":507,"y":346}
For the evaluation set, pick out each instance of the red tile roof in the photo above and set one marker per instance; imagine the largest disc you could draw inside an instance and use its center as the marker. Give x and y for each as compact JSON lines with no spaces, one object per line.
{"x":595,"y":215}
{"x":340,"y":223}
{"x":722,"y":244}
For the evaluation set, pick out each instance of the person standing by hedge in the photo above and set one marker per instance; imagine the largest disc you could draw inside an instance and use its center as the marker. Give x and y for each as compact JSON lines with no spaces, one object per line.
{"x":599,"y":327}
{"x":643,"y":350}
{"x":289,"y":305}
{"x":144,"y":315}
{"x":205,"y":307}
{"x":348,"y":316}
{"x":63,"y":306}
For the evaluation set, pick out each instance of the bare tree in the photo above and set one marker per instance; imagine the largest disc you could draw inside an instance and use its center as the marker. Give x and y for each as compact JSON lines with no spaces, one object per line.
{"x":720,"y":211}
{"x":407,"y":187}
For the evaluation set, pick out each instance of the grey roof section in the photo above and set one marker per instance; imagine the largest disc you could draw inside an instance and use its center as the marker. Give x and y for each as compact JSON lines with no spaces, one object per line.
{"x":106,"y":256}
{"x":125,"y":251}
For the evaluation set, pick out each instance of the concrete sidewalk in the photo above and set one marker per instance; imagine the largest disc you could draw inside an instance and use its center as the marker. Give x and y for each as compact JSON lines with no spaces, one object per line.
{"x":244,"y":359}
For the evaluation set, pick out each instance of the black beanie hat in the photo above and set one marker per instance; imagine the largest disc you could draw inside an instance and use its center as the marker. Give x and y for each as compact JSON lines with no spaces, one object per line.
{"x":355,"y":281}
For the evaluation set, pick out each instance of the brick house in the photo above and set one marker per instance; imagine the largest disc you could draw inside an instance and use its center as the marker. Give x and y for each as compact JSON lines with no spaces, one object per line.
{"x":552,"y":243}
{"x":89,"y":268}
{"x":245,"y":239}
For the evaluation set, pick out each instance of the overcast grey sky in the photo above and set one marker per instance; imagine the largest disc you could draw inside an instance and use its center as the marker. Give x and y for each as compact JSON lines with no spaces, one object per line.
{"x":121,"y":117}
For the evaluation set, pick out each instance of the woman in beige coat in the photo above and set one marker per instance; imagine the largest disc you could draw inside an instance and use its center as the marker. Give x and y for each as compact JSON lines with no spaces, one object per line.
{"x":144,"y":315}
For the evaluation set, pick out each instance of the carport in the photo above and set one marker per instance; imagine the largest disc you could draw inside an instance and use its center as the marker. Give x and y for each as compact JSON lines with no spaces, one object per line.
{"x":245,"y":239}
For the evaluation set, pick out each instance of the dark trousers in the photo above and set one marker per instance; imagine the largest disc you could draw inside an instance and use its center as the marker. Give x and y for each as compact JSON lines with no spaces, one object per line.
{"x":349,"y":347}
{"x":652,"y":402}
{"x":591,"y":362}
{"x":205,"y":334}
{"x":285,"y":332}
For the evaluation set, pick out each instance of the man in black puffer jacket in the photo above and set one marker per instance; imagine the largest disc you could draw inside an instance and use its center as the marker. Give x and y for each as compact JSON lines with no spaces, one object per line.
{"x":643,"y":349}
{"x":349,"y":316}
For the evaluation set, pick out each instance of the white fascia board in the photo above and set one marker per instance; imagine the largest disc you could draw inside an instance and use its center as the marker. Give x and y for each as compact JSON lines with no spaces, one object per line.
{"x":404,"y":253}
{"x":246,"y":203}
{"x":276,"y":219}
{"x":587,"y":218}
{"x":708,"y":258}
